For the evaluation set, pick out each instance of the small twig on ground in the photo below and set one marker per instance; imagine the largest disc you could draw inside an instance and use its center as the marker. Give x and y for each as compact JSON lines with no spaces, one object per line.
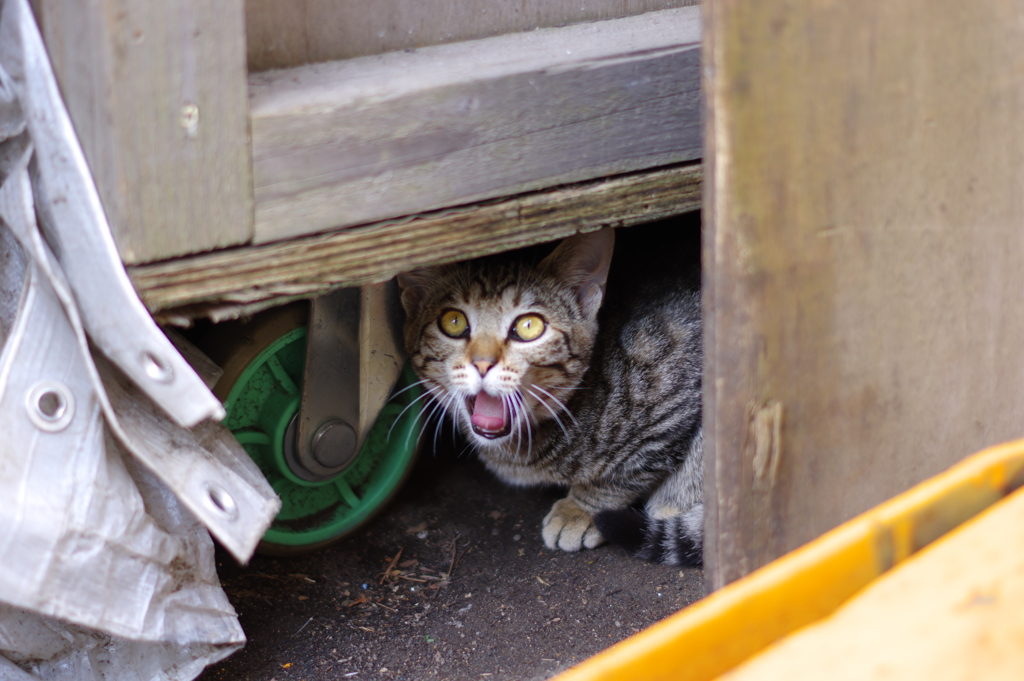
{"x":461,"y":556}
{"x":303,"y":626}
{"x":356,"y":626}
{"x":391,"y":565}
{"x":260,"y":574}
{"x":455,"y":549}
{"x":446,"y":577}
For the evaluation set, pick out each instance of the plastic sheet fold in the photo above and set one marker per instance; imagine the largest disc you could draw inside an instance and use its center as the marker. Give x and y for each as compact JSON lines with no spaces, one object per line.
{"x":108,"y":499}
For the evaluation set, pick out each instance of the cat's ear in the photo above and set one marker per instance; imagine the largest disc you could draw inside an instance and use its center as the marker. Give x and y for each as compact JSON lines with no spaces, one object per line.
{"x":582,"y":262}
{"x":415,"y":285}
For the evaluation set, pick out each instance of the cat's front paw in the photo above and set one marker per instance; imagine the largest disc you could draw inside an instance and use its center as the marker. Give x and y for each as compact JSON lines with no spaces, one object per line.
{"x":570,"y":528}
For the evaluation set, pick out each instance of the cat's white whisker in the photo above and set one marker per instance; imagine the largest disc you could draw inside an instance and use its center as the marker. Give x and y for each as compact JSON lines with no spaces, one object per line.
{"x":519,"y":429}
{"x":438,"y":423}
{"x":422,"y":381}
{"x":527,"y":425}
{"x":428,"y":393}
{"x":519,"y":435}
{"x":520,"y":426}
{"x":431,"y":394}
{"x":506,"y":405}
{"x":529,"y":429}
{"x":442,"y":406}
{"x":553,"y":413}
{"x":455,"y":423}
{"x":559,"y":403}
{"x":449,"y":400}
{"x":437,"y":405}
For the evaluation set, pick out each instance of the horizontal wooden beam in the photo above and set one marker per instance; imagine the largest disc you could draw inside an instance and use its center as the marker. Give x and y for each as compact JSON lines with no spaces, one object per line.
{"x":286,"y":34}
{"x":361,"y":140}
{"x":237,"y":281}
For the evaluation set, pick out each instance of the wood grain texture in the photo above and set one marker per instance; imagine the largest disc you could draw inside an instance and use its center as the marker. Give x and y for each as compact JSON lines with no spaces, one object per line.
{"x":226,"y":283}
{"x":286,"y":34}
{"x":366,"y":139}
{"x":157,"y":94}
{"x":863,"y":256}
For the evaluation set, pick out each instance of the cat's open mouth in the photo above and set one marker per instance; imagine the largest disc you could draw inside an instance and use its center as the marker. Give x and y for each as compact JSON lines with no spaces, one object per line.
{"x":489,"y":416}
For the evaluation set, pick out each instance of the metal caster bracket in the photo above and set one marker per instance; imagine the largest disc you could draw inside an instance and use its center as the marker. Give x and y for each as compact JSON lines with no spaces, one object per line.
{"x":353,"y":359}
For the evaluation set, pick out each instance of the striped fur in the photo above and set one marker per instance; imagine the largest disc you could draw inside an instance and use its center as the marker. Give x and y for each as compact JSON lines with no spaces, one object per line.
{"x":606,"y":401}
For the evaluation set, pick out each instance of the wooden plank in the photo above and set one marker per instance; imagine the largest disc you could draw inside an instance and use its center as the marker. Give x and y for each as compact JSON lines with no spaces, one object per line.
{"x":227,"y":283}
{"x":157,"y":94}
{"x":286,"y":34}
{"x":863,"y":254}
{"x":357,"y":141}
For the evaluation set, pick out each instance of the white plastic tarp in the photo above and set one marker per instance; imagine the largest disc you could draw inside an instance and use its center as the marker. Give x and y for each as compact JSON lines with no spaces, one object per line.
{"x":110,"y":478}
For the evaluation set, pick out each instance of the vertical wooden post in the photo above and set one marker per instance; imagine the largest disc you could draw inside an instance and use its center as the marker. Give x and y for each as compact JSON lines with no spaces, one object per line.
{"x":865,"y":174}
{"x":158,"y":95}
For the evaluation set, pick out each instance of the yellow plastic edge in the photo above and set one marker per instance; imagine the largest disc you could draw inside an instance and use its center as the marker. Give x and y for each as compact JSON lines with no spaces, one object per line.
{"x":724,"y":629}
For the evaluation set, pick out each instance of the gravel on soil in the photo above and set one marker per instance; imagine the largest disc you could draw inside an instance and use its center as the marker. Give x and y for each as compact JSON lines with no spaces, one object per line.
{"x":451,"y":581}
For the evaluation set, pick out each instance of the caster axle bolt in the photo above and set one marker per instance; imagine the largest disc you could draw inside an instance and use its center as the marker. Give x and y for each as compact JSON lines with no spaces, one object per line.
{"x":334,"y":444}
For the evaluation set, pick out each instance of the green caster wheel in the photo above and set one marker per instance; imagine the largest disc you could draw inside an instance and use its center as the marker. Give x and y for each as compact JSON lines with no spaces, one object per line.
{"x":263,"y":363}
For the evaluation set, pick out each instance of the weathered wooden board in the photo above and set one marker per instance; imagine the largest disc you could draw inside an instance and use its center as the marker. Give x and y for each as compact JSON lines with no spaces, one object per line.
{"x":351,"y":142}
{"x":285,"y":34}
{"x":157,"y":94}
{"x":225,"y":283}
{"x":864,"y":240}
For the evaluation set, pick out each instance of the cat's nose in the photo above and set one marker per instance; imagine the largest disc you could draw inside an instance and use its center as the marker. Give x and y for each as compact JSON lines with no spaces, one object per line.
{"x":483,"y":365}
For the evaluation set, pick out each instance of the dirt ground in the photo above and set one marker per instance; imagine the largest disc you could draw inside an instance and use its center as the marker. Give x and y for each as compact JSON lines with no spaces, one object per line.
{"x":452,"y":581}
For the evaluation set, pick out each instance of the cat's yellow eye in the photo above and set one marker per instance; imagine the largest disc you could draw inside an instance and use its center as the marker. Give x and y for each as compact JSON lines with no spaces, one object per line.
{"x":528,"y":327}
{"x":453,"y":323}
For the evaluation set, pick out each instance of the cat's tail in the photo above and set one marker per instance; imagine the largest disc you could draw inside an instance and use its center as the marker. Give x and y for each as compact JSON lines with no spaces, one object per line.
{"x":676,"y":540}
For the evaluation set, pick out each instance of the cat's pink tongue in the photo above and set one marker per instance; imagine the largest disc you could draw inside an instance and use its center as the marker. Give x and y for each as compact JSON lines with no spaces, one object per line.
{"x":488,"y":412}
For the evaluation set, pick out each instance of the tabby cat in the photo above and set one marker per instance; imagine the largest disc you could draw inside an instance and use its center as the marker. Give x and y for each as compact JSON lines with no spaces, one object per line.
{"x":551,"y":387}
